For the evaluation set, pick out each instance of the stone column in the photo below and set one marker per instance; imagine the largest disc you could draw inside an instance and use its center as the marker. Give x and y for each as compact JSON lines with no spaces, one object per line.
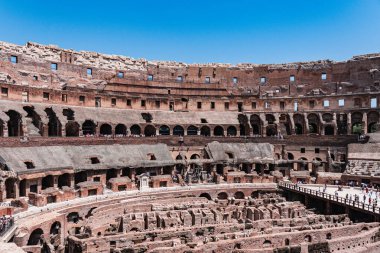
{"x":292,"y":125}
{"x":306,"y":123}
{"x":365,"y":122}
{"x":349,"y":124}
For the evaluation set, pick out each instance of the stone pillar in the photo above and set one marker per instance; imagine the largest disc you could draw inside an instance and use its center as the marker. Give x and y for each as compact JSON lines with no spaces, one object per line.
{"x":39,"y":185}
{"x":5,"y":129}
{"x":63,"y":130}
{"x":45,"y":130}
{"x":365,"y":122}
{"x":306,"y":123}
{"x":349,"y":123}
{"x":55,"y":181}
{"x":335,"y":124}
{"x":157,"y":131}
{"x":292,"y":125}
{"x":72,"y":180}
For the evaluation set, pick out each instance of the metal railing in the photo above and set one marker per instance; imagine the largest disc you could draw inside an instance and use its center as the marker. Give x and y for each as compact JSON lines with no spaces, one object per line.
{"x":357,"y":204}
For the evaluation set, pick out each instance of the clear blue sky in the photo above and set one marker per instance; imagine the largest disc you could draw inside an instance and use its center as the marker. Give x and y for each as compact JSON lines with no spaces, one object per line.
{"x":257,"y":31}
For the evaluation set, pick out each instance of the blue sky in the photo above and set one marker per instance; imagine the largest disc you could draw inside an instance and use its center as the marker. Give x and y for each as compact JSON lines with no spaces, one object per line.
{"x":265,"y":31}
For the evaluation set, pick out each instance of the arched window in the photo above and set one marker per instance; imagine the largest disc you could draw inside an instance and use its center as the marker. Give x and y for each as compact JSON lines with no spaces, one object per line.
{"x":120,"y":129}
{"x":231,"y":131}
{"x":135,"y":130}
{"x":149,"y":131}
{"x":164,"y":130}
{"x":205,"y":131}
{"x":178,"y":130}
{"x":35,"y":237}
{"x":89,"y":127}
{"x":72,"y":129}
{"x":222,"y":195}
{"x":105,"y":129}
{"x":192,"y":130}
{"x":218,"y":131}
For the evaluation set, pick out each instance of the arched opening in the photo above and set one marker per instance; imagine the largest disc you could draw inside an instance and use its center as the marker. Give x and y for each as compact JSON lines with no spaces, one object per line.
{"x":205,"y":131}
{"x":73,"y":217}
{"x":192,"y":130}
{"x":47,"y":182}
{"x":218,"y":131}
{"x":243,"y":125}
{"x":111,"y":173}
{"x":290,"y":156}
{"x":255,"y":194}
{"x":256,"y":124}
{"x":287,"y":242}
{"x":80,"y":177}
{"x":54,"y":125}
{"x":194,"y":156}
{"x":89,"y":127}
{"x":356,"y":121}
{"x":231,"y":131}
{"x":314,"y":123}
{"x":72,"y":129}
{"x":22,"y":187}
{"x":239,"y":195}
{"x":64,"y":180}
{"x":328,"y":236}
{"x":36,"y":126}
{"x":299,"y":124}
{"x":36,"y":237}
{"x":267,"y":244}
{"x":150,"y":131}
{"x":302,"y":165}
{"x":55,"y":228}
{"x":10,"y":187}
{"x":307,"y":238}
{"x":342,"y":123}
{"x":14,"y":123}
{"x":120,"y":129}
{"x":164,"y":130}
{"x":205,"y":195}
{"x":178,"y":130}
{"x":222,"y":195}
{"x":372,"y":119}
{"x":329,"y":130}
{"x":105,"y":129}
{"x":135,"y":130}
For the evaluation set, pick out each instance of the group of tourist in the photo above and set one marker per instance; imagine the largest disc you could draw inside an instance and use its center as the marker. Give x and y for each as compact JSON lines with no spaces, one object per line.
{"x":5,"y":223}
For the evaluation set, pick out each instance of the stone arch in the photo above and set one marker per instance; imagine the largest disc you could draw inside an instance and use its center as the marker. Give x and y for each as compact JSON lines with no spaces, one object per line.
{"x":36,"y":237}
{"x":231,"y":131}
{"x":218,"y":131}
{"x":205,"y":131}
{"x":195,"y":156}
{"x":135,"y":130}
{"x":290,"y":156}
{"x":120,"y":129}
{"x":287,"y":242}
{"x":222,"y":195}
{"x":73,"y":217}
{"x":372,"y":121}
{"x":243,"y":124}
{"x":256,"y":124}
{"x":10,"y":188}
{"x":54,"y":125}
{"x":341,"y":122}
{"x":285,"y":127}
{"x":329,"y":130}
{"x":357,"y":123}
{"x":192,"y":130}
{"x":149,"y":131}
{"x":328,"y":236}
{"x":64,"y":180}
{"x":328,"y":117}
{"x":239,"y":195}
{"x":178,"y":130}
{"x":267,"y":244}
{"x":314,"y":123}
{"x":205,"y":195}
{"x":164,"y":130}
{"x":1,"y":128}
{"x":55,"y":228}
{"x":307,"y":238}
{"x":302,"y":165}
{"x":105,"y":129}
{"x":14,"y":124}
{"x":72,"y":128}
{"x":299,"y":124}
{"x":35,"y":119}
{"x":47,"y":182}
{"x":89,"y":127}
